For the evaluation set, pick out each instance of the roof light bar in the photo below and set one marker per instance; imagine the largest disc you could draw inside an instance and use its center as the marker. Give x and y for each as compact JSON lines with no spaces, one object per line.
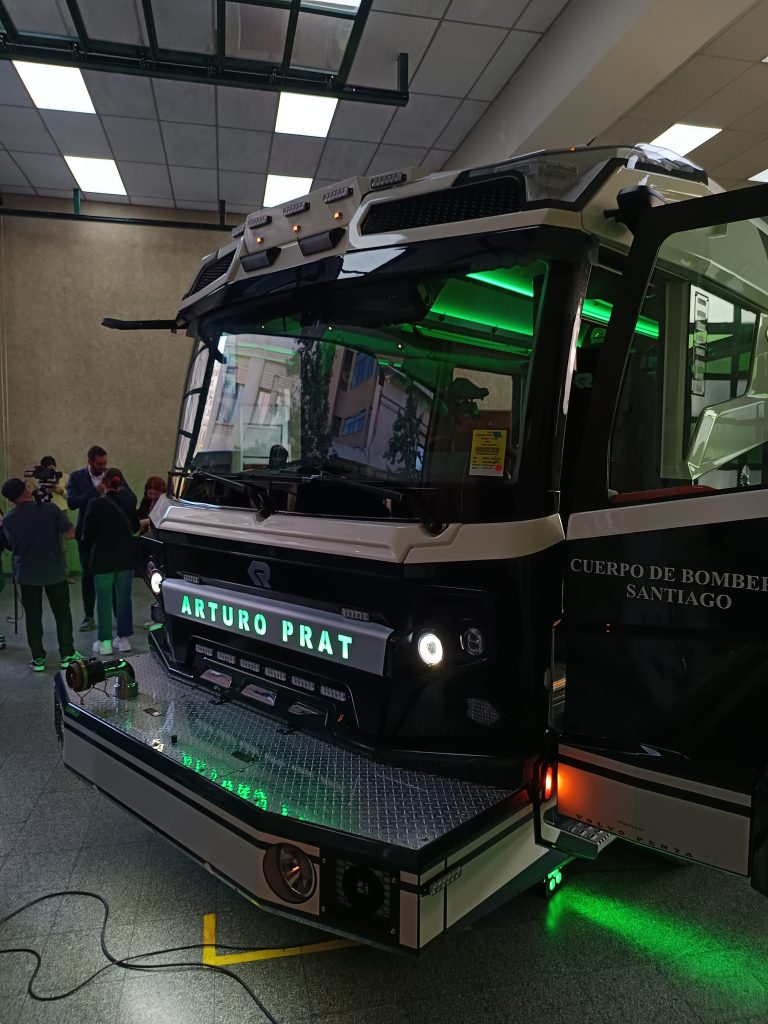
{"x":385,"y":180}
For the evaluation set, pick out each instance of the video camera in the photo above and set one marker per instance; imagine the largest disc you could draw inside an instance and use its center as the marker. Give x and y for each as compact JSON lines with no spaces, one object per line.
{"x":46,"y":478}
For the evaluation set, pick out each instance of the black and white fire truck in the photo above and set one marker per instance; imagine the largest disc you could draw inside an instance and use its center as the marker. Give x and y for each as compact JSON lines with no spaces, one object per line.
{"x":444,"y":437}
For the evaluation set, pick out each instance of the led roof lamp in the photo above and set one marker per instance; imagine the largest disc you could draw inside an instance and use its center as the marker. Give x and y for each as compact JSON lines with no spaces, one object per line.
{"x":760,"y":176}
{"x":55,"y":88}
{"x":283,"y":187}
{"x":430,"y":649}
{"x":298,"y":114}
{"x":683,"y":138}
{"x":94,"y":174}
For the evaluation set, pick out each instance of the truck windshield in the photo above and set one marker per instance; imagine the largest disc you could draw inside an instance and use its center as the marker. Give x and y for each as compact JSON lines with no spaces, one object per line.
{"x":370,"y":393}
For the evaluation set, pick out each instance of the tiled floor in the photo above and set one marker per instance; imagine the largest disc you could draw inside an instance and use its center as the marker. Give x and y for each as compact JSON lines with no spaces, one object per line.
{"x":630,"y":939}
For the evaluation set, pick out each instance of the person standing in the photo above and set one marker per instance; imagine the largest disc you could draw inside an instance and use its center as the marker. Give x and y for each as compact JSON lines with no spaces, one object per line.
{"x":154,"y":489}
{"x":59,"y":497}
{"x":109,"y":542}
{"x":85,"y":485}
{"x":35,"y":532}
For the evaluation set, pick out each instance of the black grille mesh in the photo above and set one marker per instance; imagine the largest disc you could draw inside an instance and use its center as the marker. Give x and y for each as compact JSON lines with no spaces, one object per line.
{"x":469,"y":202}
{"x":210,"y":272}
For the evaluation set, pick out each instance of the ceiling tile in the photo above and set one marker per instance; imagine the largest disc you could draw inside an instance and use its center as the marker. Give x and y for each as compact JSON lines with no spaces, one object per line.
{"x":145,"y":179}
{"x":116,"y":22}
{"x":365,"y":122}
{"x":745,"y":165}
{"x":726,"y":146}
{"x":296,"y":155}
{"x":22,"y":128}
{"x":733,"y":183}
{"x":150,"y":201}
{"x":465,"y":118}
{"x":40,"y":16}
{"x":11,"y":87}
{"x":342,"y":159}
{"x":426,"y":8}
{"x":688,"y":87}
{"x":746,"y":39}
{"x":539,"y":15}
{"x":735,"y":100}
{"x":10,"y":172}
{"x":246,"y":108}
{"x":243,"y":189}
{"x":420,"y":123}
{"x":457,"y":55}
{"x":184,"y":24}
{"x":56,"y":193}
{"x":134,"y":136}
{"x":395,"y":158}
{"x":756,"y":121}
{"x":189,"y":145}
{"x":503,"y":13}
{"x":23,"y":190}
{"x":630,"y":130}
{"x":44,"y":171}
{"x":187,"y":102}
{"x":385,"y":36}
{"x":123,"y":95}
{"x":435,"y":159}
{"x":194,"y":183}
{"x":77,"y":134}
{"x":243,"y":151}
{"x":507,"y":60}
{"x":243,"y":207}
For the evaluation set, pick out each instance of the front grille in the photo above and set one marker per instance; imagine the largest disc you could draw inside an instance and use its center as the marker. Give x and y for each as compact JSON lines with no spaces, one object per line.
{"x":469,"y":202}
{"x":210,"y":272}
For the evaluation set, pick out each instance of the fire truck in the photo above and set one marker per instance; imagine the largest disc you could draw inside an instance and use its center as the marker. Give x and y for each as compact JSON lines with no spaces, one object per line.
{"x":446,"y":441}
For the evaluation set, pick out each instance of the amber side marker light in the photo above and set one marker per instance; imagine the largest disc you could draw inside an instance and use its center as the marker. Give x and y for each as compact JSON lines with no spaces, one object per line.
{"x":548,"y":782}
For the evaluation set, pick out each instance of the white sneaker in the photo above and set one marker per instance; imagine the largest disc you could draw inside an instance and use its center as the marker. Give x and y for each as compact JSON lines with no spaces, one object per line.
{"x":121,"y":643}
{"x":102,"y":647}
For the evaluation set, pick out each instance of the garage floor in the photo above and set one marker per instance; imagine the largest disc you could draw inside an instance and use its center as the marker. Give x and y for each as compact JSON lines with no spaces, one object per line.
{"x":631,"y":938}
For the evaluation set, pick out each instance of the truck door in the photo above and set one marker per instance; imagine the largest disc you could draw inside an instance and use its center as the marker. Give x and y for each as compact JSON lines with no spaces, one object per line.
{"x":666,"y":584}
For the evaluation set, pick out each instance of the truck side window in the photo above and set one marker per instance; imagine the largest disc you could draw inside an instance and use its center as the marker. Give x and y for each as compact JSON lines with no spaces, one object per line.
{"x":692,"y":413}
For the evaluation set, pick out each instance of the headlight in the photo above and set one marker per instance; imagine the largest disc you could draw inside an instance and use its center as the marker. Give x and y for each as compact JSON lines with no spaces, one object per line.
{"x":430,"y":649}
{"x":156,"y":582}
{"x":289,"y":872}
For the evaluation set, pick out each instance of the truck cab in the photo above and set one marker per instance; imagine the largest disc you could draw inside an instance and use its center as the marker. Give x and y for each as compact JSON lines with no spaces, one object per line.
{"x":468,"y":486}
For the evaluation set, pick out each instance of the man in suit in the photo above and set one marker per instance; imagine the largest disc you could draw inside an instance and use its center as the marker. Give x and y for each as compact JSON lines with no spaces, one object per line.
{"x":83,"y":487}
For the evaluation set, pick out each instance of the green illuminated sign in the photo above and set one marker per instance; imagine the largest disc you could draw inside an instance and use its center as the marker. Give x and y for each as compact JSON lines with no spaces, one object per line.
{"x":310,"y":631}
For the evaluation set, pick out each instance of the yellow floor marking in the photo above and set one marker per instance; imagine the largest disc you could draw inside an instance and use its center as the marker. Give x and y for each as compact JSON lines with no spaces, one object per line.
{"x":212,"y":958}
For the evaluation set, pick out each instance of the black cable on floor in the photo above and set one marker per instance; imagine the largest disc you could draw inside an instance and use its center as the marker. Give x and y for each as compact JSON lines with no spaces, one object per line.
{"x":126,"y":962}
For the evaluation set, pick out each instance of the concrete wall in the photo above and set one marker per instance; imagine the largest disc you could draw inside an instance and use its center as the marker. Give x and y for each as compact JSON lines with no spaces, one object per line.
{"x":66,"y":382}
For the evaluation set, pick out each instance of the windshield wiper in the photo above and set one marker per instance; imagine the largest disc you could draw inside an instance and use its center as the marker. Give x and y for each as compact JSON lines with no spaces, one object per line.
{"x":258,"y":497}
{"x":330,"y":473}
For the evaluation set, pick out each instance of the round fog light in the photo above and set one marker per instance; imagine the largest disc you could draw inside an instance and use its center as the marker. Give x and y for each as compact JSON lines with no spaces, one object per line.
{"x":289,"y":872}
{"x":430,"y":649}
{"x":473,"y":641}
{"x":156,"y":582}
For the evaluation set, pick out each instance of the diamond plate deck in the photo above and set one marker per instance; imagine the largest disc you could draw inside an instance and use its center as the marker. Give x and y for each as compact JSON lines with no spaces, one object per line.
{"x":290,"y":773}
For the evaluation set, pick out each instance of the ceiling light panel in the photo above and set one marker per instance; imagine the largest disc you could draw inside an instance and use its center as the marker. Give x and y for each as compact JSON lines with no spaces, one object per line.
{"x":683,"y":138}
{"x":298,"y":114}
{"x":762,"y":176}
{"x":55,"y":88}
{"x":96,"y":175}
{"x":282,"y":187}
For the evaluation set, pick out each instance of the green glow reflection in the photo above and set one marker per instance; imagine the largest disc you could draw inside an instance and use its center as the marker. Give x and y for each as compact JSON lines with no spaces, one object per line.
{"x":702,"y":958}
{"x":245,"y":790}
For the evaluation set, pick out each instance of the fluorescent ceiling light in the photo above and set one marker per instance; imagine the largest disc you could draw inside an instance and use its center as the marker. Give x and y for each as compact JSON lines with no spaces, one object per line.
{"x":281,"y":188}
{"x":298,"y":114}
{"x":343,"y":5}
{"x":93,"y":174}
{"x":682,"y":138}
{"x":55,"y":88}
{"x":762,"y":176}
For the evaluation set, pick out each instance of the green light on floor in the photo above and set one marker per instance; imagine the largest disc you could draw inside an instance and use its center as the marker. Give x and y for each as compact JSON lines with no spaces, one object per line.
{"x":702,"y":958}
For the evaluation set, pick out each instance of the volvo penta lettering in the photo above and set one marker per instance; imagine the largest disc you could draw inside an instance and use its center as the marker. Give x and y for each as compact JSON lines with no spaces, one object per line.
{"x":445,"y":442}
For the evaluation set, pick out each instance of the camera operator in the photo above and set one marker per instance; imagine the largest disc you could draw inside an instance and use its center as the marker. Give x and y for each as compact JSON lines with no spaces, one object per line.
{"x":35,"y":531}
{"x":50,"y":481}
